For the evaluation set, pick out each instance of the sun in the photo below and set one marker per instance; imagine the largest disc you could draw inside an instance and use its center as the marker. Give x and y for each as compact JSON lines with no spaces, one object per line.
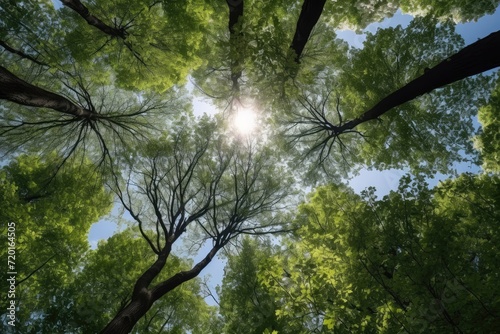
{"x":245,"y":121}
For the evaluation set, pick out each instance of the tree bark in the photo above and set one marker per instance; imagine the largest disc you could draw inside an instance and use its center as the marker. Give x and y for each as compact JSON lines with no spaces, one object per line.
{"x":143,"y":298}
{"x":309,"y":16}
{"x":476,"y":58}
{"x":235,"y":13}
{"x":128,"y":317}
{"x":19,"y":91}
{"x":92,"y":20}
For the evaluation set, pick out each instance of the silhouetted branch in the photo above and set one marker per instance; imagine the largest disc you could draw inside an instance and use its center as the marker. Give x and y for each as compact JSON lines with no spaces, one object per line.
{"x":21,"y":54}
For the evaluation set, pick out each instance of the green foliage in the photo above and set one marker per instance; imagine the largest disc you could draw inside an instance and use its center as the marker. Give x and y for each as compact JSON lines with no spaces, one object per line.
{"x":488,"y":141}
{"x":52,"y":223}
{"x":417,"y":260}
{"x":245,"y":305}
{"x":459,"y":11}
{"x":429,"y":133}
{"x":106,"y":281}
{"x":353,"y":14}
{"x":160,"y":48}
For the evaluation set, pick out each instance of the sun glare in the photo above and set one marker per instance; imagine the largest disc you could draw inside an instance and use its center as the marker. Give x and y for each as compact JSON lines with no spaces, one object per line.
{"x":245,"y":121}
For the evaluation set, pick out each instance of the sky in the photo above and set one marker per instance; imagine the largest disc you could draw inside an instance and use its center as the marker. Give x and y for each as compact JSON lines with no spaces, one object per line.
{"x":384,"y":181}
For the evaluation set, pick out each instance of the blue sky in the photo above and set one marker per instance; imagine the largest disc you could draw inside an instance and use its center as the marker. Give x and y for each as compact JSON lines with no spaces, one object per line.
{"x":384,"y":181}
{"x":471,"y":31}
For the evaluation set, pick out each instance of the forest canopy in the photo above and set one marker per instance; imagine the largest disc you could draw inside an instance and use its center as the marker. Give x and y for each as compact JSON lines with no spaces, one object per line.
{"x":198,"y":126}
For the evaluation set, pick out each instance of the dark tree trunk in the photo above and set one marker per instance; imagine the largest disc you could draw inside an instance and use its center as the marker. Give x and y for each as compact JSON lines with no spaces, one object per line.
{"x":141,"y":300}
{"x":235,"y":13}
{"x":309,"y":16}
{"x":19,"y":91}
{"x":128,"y":317}
{"x":83,"y":11}
{"x":143,"y":297}
{"x":476,"y":58}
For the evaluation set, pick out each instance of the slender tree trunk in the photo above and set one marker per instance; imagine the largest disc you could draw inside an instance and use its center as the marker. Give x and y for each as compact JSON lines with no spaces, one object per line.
{"x":309,"y":16}
{"x":83,"y":11}
{"x":19,"y":91}
{"x":235,"y":14}
{"x":476,"y":58}
{"x":143,"y":298}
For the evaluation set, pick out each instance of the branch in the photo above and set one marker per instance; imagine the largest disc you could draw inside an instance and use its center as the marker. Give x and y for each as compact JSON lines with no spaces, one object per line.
{"x":184,"y":276}
{"x":92,"y":20}
{"x":34,"y":271}
{"x":21,"y":54}
{"x":16,"y":90}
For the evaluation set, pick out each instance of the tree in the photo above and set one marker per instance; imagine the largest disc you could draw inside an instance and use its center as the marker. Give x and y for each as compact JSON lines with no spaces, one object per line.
{"x":459,"y":11}
{"x":52,"y":222}
{"x":86,"y":118}
{"x":488,"y":141}
{"x":195,"y":181}
{"x":134,"y":42}
{"x":93,"y":121}
{"x":104,"y":283}
{"x":88,"y":113}
{"x":309,"y":16}
{"x":476,"y":58}
{"x":102,"y":82}
{"x":245,"y":306}
{"x":324,"y":120}
{"x":416,"y":260}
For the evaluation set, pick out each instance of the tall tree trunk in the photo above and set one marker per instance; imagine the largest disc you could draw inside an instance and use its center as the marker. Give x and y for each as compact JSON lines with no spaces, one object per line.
{"x":83,"y":11}
{"x":476,"y":58}
{"x":309,"y":16}
{"x":143,"y":298}
{"x":128,"y":317}
{"x":235,"y":14}
{"x":19,"y":91}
